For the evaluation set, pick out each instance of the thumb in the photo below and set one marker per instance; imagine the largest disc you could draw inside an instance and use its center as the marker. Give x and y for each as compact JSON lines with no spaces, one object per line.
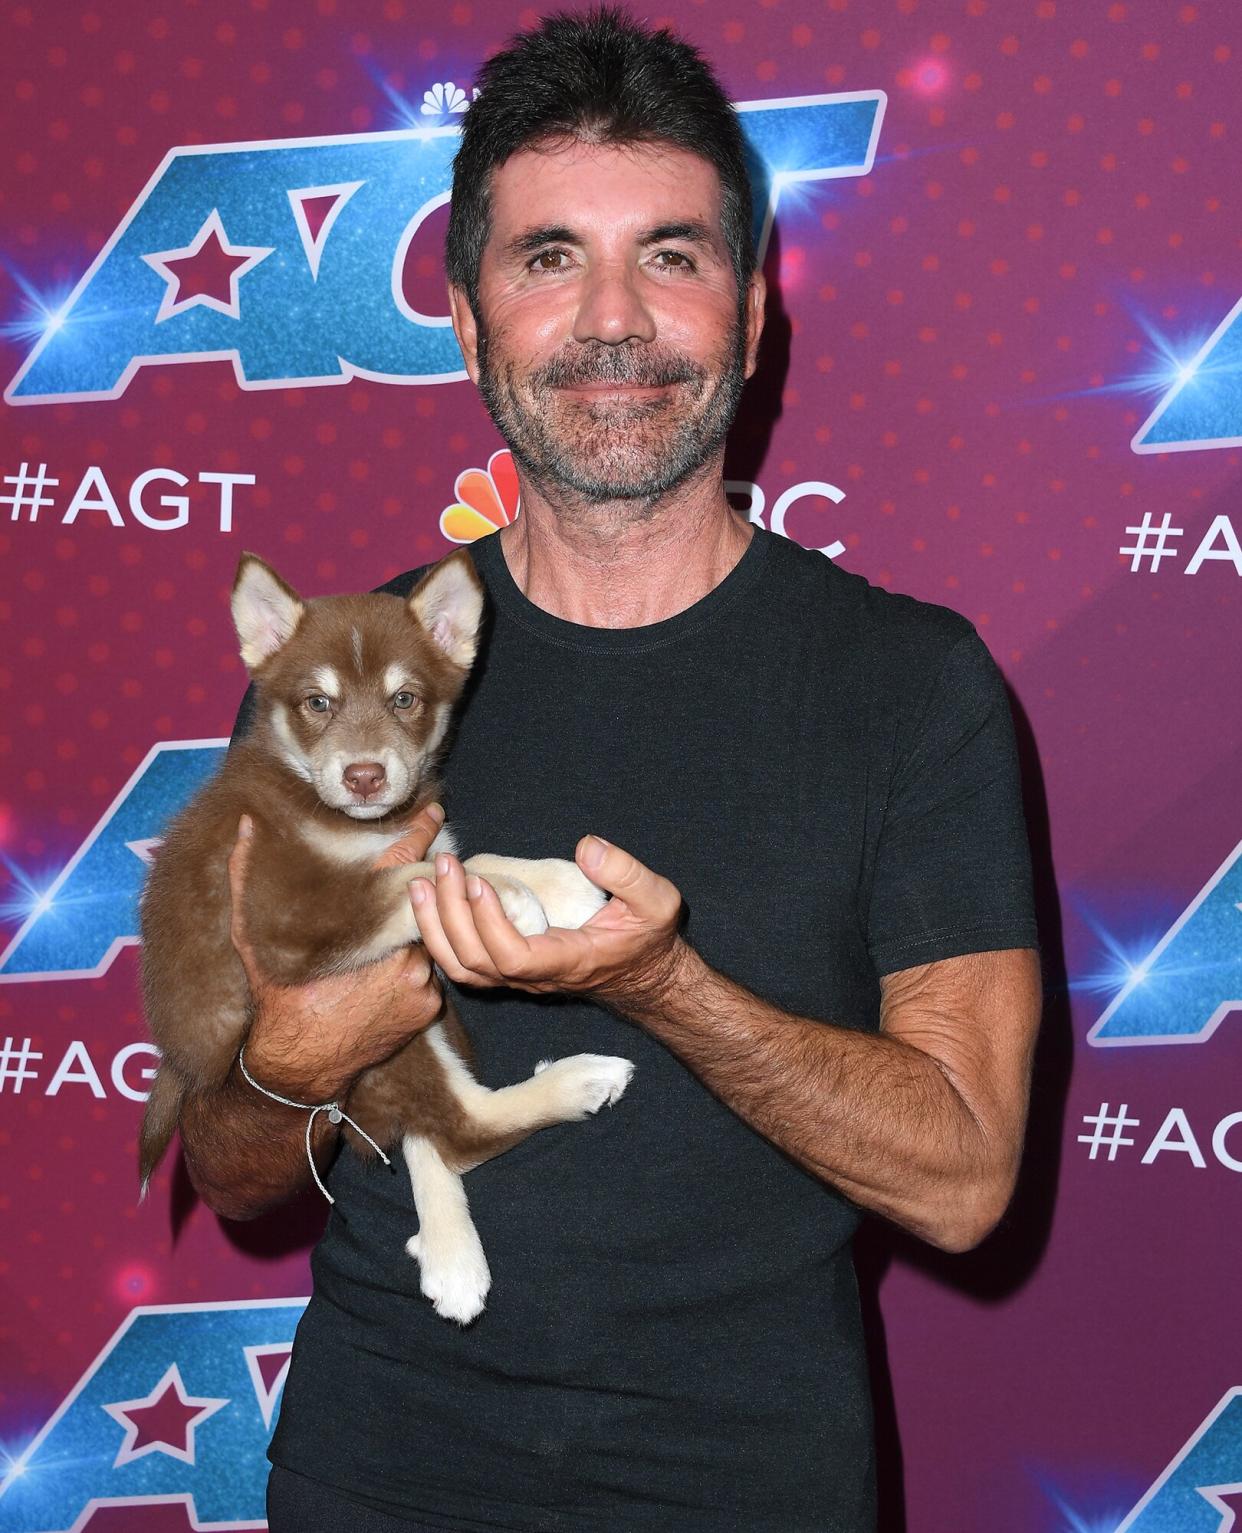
{"x":647,"y":894}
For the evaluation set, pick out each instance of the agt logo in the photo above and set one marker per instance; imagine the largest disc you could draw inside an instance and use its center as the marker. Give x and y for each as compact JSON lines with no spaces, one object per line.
{"x":75,"y":927}
{"x":1201,"y":1490}
{"x":286,"y":257}
{"x":178,"y":1407}
{"x":1191,"y":980}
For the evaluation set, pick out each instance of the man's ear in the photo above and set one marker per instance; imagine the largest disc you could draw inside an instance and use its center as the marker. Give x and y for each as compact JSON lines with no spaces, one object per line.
{"x":265,"y":610}
{"x":448,"y":602}
{"x":756,"y":298}
{"x":466,"y":329}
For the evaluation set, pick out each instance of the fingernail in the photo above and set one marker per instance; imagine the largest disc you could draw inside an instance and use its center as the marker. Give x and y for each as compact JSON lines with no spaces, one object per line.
{"x":245,"y":827}
{"x":593,"y":849}
{"x":436,"y":813}
{"x":474,"y":886}
{"x":418,"y":892}
{"x":442,"y":865}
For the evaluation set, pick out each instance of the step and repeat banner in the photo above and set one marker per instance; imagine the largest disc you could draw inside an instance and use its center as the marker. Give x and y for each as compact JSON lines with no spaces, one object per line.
{"x":1003,"y":372}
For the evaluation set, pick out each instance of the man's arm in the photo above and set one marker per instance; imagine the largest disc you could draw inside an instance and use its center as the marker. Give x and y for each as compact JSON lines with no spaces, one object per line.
{"x":922,"y":1122}
{"x":246,"y":1153}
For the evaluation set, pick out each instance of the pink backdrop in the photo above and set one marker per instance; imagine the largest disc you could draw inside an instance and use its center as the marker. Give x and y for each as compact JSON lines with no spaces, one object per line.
{"x":972,"y":328}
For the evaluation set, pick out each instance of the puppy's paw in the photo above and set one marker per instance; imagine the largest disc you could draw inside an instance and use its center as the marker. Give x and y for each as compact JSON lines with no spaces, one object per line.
{"x":567,"y":895}
{"x":583,"y":1083}
{"x":521,"y":904}
{"x":456,"y":1279}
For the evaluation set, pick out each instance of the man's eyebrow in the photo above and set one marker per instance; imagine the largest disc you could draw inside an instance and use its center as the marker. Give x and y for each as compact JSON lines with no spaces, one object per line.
{"x":693,"y":230}
{"x":531,"y":240}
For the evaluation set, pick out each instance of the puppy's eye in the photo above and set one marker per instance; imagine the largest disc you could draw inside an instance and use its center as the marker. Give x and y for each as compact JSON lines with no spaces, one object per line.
{"x":318,"y":703}
{"x":404,"y":700}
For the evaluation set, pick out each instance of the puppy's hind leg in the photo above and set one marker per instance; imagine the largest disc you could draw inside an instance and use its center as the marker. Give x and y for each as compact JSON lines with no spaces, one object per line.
{"x":453,"y":1269}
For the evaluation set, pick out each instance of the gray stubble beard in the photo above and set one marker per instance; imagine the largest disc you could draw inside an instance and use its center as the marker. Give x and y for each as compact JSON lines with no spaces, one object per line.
{"x":575,"y":470}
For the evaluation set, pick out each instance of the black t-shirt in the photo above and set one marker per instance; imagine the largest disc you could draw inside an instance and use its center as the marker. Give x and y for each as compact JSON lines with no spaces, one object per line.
{"x":672,"y":1341}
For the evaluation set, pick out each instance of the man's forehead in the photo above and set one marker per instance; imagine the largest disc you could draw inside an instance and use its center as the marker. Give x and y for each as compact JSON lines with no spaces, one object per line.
{"x":567,"y":182}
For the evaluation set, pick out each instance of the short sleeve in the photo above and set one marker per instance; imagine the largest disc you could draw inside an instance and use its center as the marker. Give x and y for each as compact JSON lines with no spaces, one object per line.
{"x":953,"y":863}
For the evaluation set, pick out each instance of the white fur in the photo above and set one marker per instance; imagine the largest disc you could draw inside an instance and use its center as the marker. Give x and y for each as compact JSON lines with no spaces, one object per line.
{"x":289,"y":748}
{"x":328,"y":682}
{"x":567,"y":895}
{"x":265,"y":613}
{"x":445,"y":841}
{"x":394,"y":678}
{"x":355,"y":640}
{"x":453,"y":1271}
{"x":400,"y":775}
{"x":449,"y":605}
{"x":560,"y":1091}
{"x":348,"y":846}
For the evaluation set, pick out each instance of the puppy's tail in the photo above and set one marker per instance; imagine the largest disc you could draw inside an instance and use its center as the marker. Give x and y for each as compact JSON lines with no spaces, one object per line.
{"x":158,"y":1124}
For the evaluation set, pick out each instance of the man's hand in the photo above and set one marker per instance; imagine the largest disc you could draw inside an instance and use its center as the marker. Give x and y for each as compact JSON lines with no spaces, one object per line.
{"x":627,"y":952}
{"x":308,"y":1042}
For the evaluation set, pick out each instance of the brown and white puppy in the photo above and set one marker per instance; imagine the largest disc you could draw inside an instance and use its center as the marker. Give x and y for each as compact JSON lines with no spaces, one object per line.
{"x":352,"y":701}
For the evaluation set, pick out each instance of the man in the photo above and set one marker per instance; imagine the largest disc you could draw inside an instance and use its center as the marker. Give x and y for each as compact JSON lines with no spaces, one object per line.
{"x":820,"y":951}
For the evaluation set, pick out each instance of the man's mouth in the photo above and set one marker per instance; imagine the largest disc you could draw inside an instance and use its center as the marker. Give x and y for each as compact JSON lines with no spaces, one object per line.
{"x":619,"y":390}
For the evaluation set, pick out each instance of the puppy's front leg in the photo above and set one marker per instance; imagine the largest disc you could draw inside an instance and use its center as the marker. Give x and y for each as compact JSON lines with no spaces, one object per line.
{"x":399,"y":925}
{"x":567,"y":895}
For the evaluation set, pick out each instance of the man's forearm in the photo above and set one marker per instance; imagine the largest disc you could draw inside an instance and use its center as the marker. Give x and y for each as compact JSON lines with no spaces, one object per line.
{"x":246,"y":1153}
{"x":874,"y":1116}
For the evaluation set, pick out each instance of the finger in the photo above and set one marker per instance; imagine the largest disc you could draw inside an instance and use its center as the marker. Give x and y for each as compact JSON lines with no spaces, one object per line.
{"x":554,"y":960}
{"x":239,"y":862}
{"x":508,"y":950}
{"x":427,"y":914}
{"x":418,"y":836}
{"x":418,"y":982}
{"x":650,"y":897}
{"x":457,"y":918}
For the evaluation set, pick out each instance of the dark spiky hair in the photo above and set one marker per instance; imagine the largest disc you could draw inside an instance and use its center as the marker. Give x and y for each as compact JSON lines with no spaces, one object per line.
{"x":600,"y":77}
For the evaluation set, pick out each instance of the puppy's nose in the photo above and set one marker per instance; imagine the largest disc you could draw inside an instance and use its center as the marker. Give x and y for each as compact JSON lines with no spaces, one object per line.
{"x":365,"y":777}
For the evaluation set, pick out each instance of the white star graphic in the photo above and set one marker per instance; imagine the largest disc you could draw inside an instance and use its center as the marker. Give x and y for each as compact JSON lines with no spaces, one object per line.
{"x":267,"y":1393}
{"x":162,"y":261}
{"x":1212,"y":1495}
{"x":200,"y":1409}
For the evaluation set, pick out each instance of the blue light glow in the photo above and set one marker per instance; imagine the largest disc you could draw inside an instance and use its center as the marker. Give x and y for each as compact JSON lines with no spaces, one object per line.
{"x":1081,"y":1522}
{"x":40,"y":314}
{"x":28,"y":894}
{"x":1122,"y":966}
{"x":13,"y":1466}
{"x":1173,"y":362}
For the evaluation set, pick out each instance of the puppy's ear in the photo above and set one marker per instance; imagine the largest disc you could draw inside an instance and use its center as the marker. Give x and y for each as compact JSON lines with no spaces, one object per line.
{"x":448,"y":603}
{"x":265,"y":610}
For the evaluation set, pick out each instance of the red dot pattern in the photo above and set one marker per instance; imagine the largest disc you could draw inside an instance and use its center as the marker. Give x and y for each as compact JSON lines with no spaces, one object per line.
{"x":1049,"y":176}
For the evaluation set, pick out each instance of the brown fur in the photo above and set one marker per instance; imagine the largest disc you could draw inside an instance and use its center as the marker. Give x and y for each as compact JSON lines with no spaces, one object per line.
{"x":307,"y":914}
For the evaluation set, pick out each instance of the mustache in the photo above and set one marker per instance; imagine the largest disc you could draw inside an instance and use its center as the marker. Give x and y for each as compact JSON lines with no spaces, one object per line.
{"x":634,"y":366}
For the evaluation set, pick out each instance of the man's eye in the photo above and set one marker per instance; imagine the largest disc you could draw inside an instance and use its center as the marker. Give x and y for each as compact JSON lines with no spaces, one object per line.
{"x":404,"y":700}
{"x":317,"y":703}
{"x":549,"y":260}
{"x":674,"y":260}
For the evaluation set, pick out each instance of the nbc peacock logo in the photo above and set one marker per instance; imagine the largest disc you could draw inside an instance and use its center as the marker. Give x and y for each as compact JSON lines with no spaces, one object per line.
{"x":487,"y":499}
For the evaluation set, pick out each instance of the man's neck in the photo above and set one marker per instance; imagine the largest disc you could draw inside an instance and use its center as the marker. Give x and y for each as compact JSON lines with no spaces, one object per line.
{"x":608,"y":567}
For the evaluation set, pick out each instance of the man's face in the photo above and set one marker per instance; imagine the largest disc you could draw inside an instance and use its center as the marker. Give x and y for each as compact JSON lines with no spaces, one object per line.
{"x":611,"y":343}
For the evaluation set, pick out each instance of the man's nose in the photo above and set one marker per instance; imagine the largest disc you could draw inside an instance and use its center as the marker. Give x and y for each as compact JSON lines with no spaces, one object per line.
{"x":612,"y":308}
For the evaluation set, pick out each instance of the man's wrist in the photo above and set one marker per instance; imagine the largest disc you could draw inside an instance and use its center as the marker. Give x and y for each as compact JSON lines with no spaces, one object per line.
{"x":653,"y":991}
{"x":301,"y":1086}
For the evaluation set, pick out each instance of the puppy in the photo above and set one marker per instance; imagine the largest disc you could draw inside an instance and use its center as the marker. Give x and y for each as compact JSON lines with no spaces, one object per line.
{"x":353,"y":696}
